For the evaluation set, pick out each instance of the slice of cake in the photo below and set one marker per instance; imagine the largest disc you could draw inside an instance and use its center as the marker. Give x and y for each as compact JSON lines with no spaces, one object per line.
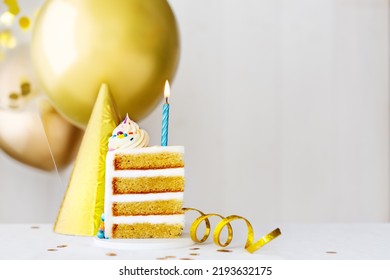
{"x":144,"y":186}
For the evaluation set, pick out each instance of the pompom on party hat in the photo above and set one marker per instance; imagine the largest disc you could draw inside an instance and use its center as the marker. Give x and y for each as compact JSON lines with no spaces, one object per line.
{"x":83,"y":202}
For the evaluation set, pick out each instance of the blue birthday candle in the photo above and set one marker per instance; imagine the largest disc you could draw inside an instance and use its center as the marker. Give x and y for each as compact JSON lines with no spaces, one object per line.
{"x":165,"y":117}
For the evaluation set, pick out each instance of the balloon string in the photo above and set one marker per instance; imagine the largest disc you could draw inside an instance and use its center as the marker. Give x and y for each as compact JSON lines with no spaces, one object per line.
{"x":50,"y":150}
{"x":251,"y":246}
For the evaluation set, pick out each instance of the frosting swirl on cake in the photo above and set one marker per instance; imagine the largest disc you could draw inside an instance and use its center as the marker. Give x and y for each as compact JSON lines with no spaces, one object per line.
{"x":128,"y":135}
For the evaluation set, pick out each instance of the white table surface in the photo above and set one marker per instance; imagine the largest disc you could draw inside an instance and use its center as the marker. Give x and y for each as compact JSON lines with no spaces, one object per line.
{"x":298,"y":241}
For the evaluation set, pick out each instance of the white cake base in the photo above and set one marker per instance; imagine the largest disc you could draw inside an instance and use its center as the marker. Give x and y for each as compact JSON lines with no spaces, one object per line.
{"x":145,"y":244}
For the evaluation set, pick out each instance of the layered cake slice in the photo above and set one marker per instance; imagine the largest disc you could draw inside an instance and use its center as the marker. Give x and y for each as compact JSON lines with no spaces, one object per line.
{"x":144,"y":186}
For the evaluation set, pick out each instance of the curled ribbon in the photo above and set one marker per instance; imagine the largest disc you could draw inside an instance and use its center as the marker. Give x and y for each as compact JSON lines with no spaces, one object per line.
{"x":250,"y":245}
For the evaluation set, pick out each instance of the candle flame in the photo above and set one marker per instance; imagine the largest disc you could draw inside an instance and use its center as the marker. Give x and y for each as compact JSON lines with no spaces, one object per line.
{"x":167,"y":90}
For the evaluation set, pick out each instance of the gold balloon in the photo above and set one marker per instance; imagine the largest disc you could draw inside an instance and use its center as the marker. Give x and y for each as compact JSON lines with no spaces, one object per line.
{"x":22,"y":136}
{"x":23,"y":125}
{"x":133,"y":46}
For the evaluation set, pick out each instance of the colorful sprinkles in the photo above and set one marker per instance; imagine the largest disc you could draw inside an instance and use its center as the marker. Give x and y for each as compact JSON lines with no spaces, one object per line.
{"x":120,"y":134}
{"x":100,"y":233}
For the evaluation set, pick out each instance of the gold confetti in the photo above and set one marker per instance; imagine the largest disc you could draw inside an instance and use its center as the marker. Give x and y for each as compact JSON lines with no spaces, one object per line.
{"x":14,"y":101}
{"x":34,"y":227}
{"x":13,"y":6}
{"x":52,"y":250}
{"x":62,"y":246}
{"x":331,"y":252}
{"x":25,"y":88}
{"x":194,"y":254}
{"x":24,"y":23}
{"x":13,"y":96}
{"x":224,"y":251}
{"x":7,"y":40}
{"x":186,"y":259}
{"x":195,"y":248}
{"x":111,"y":254}
{"x":170,"y":257}
{"x":7,"y":18}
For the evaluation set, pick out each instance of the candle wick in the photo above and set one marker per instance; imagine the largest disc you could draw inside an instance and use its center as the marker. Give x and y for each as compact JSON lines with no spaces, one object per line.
{"x":166,"y":100}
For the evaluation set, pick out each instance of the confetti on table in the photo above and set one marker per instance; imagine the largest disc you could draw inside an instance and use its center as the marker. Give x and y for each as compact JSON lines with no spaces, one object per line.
{"x":224,"y":251}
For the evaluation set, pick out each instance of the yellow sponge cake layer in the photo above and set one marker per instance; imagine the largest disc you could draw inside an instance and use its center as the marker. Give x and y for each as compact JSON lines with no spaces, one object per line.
{"x":157,"y":207}
{"x":149,"y":158}
{"x":146,"y":230}
{"x":122,"y":185}
{"x":144,"y":161}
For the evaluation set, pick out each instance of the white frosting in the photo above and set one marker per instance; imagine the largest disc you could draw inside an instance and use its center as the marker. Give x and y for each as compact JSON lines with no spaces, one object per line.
{"x":153,"y":219}
{"x":153,"y":149}
{"x":168,"y":172}
{"x":147,"y":197}
{"x":128,"y":135}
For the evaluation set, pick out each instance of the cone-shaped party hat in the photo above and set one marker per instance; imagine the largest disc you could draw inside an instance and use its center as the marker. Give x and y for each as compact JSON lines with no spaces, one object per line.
{"x":83,"y":202}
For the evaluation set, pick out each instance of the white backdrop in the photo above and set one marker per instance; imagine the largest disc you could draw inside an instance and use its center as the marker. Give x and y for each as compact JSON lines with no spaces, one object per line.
{"x":283,"y":107}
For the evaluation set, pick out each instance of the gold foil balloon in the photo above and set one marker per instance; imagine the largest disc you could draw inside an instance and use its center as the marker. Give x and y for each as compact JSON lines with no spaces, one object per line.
{"x":132,"y":45}
{"x":23,"y":137}
{"x":23,"y":124}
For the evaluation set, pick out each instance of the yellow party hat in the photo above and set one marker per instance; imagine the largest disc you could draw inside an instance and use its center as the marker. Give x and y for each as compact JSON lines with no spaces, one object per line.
{"x":83,"y":202}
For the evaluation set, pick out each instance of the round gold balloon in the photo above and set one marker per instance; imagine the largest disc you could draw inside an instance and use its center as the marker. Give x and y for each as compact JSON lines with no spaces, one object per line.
{"x":132,"y":45}
{"x":22,"y":136}
{"x":23,"y":126}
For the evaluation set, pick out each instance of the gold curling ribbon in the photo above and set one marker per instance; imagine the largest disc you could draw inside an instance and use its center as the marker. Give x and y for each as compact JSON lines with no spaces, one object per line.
{"x":250,"y":245}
